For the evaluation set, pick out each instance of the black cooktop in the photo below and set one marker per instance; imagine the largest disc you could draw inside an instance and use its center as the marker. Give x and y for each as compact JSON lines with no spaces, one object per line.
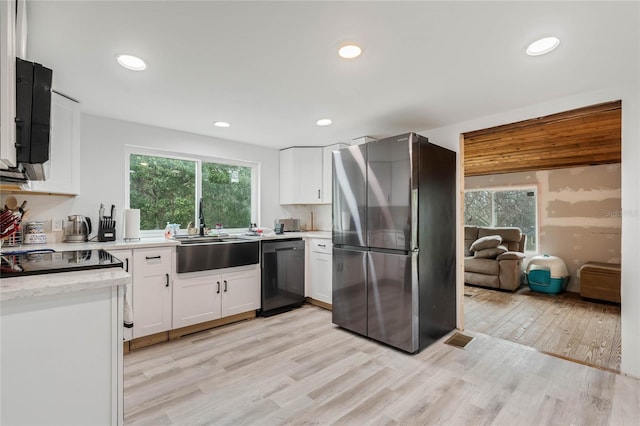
{"x":33,"y":262}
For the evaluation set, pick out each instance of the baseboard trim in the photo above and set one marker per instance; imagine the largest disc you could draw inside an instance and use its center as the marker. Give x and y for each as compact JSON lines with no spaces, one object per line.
{"x":195,"y":328}
{"x":152,"y":339}
{"x":143,"y":342}
{"x":325,"y":305}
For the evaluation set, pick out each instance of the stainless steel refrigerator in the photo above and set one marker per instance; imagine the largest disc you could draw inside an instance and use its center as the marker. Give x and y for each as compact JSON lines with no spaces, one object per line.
{"x":394,"y":240}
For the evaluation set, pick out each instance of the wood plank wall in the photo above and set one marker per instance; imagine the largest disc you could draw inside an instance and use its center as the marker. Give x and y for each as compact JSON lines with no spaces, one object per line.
{"x":580,"y":137}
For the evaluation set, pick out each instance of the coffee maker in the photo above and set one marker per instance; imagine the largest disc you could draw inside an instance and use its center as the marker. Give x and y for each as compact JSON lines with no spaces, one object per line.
{"x":77,"y":229}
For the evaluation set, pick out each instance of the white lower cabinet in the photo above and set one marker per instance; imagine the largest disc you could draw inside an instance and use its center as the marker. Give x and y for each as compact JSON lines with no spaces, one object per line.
{"x":205,"y":296}
{"x":321,"y":270}
{"x":152,"y":269}
{"x":126,"y":256}
{"x":240,"y":291}
{"x":62,"y":359}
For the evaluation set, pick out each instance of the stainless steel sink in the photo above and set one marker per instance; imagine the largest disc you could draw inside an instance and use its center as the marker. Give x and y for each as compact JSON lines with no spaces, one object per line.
{"x":203,"y":253}
{"x":197,"y":239}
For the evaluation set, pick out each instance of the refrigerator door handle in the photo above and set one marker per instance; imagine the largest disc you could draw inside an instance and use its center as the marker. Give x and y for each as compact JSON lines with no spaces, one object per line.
{"x":414,"y":219}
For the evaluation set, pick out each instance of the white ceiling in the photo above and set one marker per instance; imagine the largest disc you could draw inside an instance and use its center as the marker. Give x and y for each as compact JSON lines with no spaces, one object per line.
{"x":271,"y":69}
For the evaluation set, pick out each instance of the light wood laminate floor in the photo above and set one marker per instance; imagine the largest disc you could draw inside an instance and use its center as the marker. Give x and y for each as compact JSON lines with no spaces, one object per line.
{"x":562,"y":324}
{"x":299,"y":368}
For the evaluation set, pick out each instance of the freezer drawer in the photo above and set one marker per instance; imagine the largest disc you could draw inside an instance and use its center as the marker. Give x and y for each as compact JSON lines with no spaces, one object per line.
{"x":350,"y":289}
{"x":392,"y":299}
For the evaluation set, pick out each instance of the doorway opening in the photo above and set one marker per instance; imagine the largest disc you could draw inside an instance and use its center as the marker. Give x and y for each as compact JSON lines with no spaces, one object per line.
{"x":573,"y":160}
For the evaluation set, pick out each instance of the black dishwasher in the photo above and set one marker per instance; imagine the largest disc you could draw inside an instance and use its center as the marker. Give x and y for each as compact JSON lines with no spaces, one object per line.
{"x":282,"y":275}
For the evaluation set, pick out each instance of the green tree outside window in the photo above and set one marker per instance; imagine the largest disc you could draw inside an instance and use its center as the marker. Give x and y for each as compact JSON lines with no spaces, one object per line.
{"x":165,"y":190}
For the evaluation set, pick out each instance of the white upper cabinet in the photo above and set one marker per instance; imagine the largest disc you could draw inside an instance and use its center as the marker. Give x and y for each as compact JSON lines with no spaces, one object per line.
{"x":327,"y":172}
{"x":64,"y":160}
{"x":305,"y":174}
{"x":301,"y":175}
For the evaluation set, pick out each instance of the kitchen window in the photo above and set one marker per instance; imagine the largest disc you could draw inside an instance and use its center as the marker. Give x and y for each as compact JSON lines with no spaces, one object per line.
{"x":504,"y":207}
{"x":167,"y":188}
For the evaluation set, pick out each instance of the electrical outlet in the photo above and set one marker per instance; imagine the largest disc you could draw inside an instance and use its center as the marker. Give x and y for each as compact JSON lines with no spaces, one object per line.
{"x":56,"y":225}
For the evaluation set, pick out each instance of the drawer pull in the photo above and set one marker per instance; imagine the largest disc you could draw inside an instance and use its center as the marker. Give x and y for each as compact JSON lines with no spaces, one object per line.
{"x":225,"y":286}
{"x":152,"y":257}
{"x":167,"y":275}
{"x":218,"y":292}
{"x":322,"y":245}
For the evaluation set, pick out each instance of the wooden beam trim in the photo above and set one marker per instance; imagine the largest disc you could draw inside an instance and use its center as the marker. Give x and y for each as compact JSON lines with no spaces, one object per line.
{"x":567,"y":115}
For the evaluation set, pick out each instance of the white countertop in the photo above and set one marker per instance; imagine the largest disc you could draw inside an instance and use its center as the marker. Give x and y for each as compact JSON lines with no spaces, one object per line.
{"x":96,"y":245}
{"x":16,"y":288}
{"x":301,"y":234}
{"x":149,"y":242}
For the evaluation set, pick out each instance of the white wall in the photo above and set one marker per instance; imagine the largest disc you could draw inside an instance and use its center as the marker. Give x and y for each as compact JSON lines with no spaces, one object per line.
{"x":103,"y":171}
{"x":630,"y":95}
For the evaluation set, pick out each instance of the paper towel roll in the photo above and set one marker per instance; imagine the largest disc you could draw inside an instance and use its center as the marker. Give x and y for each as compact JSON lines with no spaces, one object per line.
{"x":132,"y":224}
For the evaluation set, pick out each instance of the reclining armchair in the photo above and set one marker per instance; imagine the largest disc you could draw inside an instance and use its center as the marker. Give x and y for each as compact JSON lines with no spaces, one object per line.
{"x":494,"y":257}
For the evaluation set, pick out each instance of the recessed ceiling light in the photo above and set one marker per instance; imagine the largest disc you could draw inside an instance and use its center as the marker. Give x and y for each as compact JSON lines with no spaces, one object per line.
{"x":349,"y":51}
{"x":542,"y":46}
{"x":131,"y":62}
{"x":324,"y":122}
{"x":221,"y":124}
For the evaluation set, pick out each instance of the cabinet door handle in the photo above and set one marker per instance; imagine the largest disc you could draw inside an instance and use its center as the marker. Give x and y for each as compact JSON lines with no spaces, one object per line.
{"x":152,"y":257}
{"x":167,"y":276}
{"x":318,"y":193}
{"x":225,"y":286}
{"x":126,"y":265}
{"x":218,"y":292}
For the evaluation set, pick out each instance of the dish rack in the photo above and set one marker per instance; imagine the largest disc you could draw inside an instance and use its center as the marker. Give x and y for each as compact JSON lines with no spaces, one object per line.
{"x":11,"y":228}
{"x":14,"y":239}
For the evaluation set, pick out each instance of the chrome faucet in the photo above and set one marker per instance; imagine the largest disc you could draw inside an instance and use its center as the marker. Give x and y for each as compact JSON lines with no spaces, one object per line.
{"x":201,"y":219}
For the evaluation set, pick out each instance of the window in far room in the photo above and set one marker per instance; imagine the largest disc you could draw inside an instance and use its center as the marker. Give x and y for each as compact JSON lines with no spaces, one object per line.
{"x":167,"y":188}
{"x":504,"y":207}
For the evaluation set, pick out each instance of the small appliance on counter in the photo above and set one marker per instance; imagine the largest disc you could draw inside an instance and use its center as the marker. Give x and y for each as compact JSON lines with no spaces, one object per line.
{"x":78,"y":229}
{"x":286,"y":225}
{"x":107,"y":224}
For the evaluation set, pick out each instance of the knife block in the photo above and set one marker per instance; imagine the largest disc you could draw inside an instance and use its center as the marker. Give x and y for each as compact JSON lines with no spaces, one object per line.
{"x":107,"y":229}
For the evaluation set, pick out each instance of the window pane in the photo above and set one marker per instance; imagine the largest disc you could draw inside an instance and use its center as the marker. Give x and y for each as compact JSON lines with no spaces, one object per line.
{"x":226,"y":193}
{"x":517,"y":208}
{"x":503,"y":208}
{"x":163,"y":189}
{"x":477,"y":208}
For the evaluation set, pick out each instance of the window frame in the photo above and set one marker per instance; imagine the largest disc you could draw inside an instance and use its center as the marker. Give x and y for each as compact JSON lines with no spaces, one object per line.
{"x":500,"y":188}
{"x":199,"y":160}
